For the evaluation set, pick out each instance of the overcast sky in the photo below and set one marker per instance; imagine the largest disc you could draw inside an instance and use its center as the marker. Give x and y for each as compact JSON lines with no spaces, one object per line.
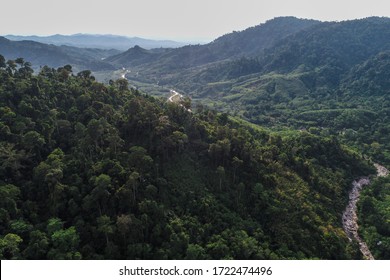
{"x":186,"y":20}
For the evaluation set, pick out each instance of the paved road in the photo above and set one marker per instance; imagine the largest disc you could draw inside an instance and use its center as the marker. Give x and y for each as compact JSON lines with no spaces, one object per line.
{"x":174,"y":94}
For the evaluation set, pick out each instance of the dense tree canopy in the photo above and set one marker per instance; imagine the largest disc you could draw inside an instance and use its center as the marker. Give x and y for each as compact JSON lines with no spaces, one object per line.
{"x":102,"y":172}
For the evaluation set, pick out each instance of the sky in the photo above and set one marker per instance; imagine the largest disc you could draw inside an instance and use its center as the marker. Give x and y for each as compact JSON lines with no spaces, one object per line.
{"x":181,"y":20}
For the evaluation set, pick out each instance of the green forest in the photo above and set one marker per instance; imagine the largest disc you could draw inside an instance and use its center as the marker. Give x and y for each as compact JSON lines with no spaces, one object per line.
{"x":94,"y":171}
{"x":374,"y":218}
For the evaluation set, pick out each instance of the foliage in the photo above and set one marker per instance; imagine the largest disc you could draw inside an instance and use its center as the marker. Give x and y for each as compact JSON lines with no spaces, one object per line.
{"x":374,"y":217}
{"x":93,"y":171}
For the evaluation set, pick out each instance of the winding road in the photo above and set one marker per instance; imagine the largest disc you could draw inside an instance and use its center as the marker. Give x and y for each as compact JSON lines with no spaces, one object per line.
{"x":174,"y":94}
{"x":176,"y":98}
{"x":350,"y":219}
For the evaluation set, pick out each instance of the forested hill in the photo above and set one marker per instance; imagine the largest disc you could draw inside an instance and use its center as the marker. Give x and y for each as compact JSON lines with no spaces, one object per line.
{"x":90,"y":171}
{"x":332,"y":44}
{"x":249,"y":42}
{"x":331,"y":78}
{"x":252,"y":41}
{"x":327,"y":49}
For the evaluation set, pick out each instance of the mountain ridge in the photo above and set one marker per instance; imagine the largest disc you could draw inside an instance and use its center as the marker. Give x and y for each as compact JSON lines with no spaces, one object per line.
{"x":228,"y":46}
{"x":40,"y":54}
{"x":101,"y":41}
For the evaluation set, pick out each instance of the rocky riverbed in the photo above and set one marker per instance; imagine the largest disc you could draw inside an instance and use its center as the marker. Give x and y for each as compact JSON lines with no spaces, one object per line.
{"x":350,"y":219}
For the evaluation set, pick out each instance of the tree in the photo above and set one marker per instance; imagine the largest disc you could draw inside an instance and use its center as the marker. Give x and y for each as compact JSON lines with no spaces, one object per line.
{"x":2,"y":62}
{"x":65,"y":243}
{"x":133,"y":183}
{"x":105,"y":226}
{"x":122,"y":84}
{"x":100,"y":193}
{"x":20,"y":227}
{"x":140,"y":160}
{"x":123,"y":224}
{"x":240,"y":190}
{"x":86,"y":74}
{"x":221,"y":175}
{"x":33,"y":141}
{"x":196,"y":252}
{"x":49,"y":173}
{"x":25,"y":69}
{"x":64,"y":72}
{"x":243,"y":247}
{"x":179,"y":140}
{"x":11,"y":67}
{"x":220,"y":150}
{"x":38,"y":246}
{"x":9,"y":195}
{"x":9,"y":246}
{"x":236,"y":162}
{"x":53,"y":225}
{"x":218,"y":248}
{"x":11,"y":160}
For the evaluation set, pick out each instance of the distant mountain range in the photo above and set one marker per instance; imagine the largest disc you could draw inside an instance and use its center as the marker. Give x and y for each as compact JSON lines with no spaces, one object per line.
{"x":40,"y":54}
{"x":82,"y":51}
{"x":281,"y":44}
{"x":103,"y":52}
{"x":121,"y":43}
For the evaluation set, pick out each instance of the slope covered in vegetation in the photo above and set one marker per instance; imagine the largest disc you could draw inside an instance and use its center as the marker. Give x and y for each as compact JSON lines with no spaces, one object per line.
{"x":375,"y":218}
{"x":92,"y":171}
{"x":331,"y":78}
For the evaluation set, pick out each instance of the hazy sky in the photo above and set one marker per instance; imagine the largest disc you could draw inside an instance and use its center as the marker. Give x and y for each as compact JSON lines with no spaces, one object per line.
{"x":169,"y":19}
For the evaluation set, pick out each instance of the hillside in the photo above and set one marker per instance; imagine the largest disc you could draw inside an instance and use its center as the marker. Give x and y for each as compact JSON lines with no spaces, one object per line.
{"x":330,"y":79}
{"x":252,"y":41}
{"x":320,"y":54}
{"x":135,"y":56}
{"x":374,"y":216}
{"x":249,"y":42}
{"x":323,"y":53}
{"x":333,"y":44}
{"x":90,"y":171}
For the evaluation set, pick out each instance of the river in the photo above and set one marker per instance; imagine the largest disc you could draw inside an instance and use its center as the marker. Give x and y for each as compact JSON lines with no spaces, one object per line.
{"x":350,"y":219}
